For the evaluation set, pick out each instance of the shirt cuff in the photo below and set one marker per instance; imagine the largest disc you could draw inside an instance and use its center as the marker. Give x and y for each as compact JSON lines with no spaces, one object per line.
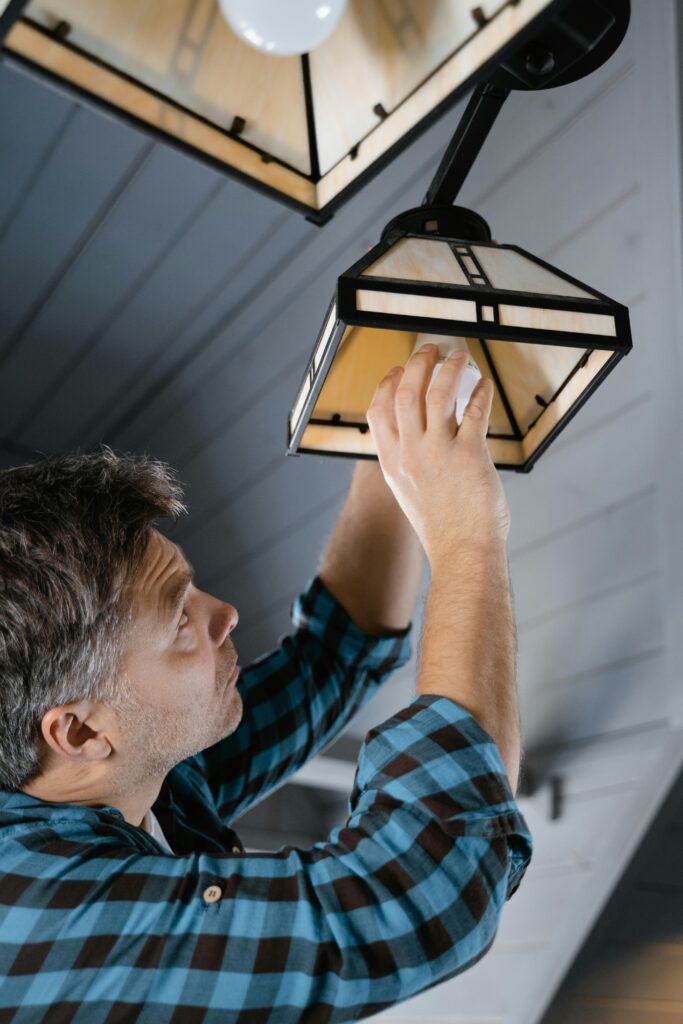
{"x":318,"y":611}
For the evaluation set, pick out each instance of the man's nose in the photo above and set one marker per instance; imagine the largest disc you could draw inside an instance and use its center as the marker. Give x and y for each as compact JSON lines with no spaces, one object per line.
{"x":226,"y":620}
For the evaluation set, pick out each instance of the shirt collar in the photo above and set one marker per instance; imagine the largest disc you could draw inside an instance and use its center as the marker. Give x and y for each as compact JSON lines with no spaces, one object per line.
{"x":20,"y":803}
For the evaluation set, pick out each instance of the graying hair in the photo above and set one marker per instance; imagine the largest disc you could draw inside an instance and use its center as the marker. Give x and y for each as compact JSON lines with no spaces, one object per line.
{"x":73,"y":534}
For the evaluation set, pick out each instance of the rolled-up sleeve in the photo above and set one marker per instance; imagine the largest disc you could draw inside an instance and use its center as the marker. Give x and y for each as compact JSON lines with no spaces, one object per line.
{"x":297,"y":698}
{"x":435,"y":758}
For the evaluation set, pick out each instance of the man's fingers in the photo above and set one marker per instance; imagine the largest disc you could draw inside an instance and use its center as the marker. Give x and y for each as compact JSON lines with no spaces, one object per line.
{"x":475,"y":419}
{"x":380,"y":414}
{"x":442,"y":395}
{"x":410,"y":394}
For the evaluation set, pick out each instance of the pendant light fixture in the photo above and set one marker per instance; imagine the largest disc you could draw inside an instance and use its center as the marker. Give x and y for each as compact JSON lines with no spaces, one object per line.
{"x":262,"y":90}
{"x":546,"y":339}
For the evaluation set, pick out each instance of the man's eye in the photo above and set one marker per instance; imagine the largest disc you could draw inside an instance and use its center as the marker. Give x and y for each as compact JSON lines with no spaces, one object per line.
{"x":183,"y":616}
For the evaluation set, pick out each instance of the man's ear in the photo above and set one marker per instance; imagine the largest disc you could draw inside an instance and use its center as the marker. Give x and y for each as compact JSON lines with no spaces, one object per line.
{"x":71,"y":731}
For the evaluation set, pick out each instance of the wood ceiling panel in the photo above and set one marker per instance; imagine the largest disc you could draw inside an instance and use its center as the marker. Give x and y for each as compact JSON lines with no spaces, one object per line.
{"x":599,"y":631}
{"x":29,"y":131}
{"x":122,"y":253}
{"x":612,"y":548}
{"x":578,"y":480}
{"x":68,"y":199}
{"x":199,"y":263}
{"x":627,"y":694}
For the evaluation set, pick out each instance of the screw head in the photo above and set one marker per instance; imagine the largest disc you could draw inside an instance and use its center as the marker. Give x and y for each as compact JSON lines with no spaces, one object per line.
{"x":539,"y":61}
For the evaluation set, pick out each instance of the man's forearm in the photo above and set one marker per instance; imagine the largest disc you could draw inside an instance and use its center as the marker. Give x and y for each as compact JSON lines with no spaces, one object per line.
{"x":468,"y":651}
{"x":374,"y":561}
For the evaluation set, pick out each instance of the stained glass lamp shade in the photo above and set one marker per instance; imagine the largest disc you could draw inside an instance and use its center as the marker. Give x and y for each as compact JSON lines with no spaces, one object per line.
{"x":544,"y":338}
{"x":306,"y":130}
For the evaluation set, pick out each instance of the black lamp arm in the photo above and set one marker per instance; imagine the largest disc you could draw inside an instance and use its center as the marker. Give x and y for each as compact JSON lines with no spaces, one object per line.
{"x":463,"y":149}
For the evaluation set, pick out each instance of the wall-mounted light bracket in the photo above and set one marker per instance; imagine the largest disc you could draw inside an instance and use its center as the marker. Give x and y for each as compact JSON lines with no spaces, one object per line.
{"x":580,"y":37}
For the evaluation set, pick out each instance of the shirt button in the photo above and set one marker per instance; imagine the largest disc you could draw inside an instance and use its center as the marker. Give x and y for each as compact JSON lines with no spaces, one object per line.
{"x":212,"y":893}
{"x":236,"y":849}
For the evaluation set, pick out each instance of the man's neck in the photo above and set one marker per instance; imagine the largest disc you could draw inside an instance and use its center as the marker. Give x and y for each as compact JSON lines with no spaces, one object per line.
{"x":60,"y":789}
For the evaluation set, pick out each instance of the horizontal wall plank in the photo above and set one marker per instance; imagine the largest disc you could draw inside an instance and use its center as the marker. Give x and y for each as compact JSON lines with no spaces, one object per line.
{"x":597,"y":631}
{"x":572,"y":482}
{"x":570,"y":840}
{"x":65,"y":207}
{"x":30,"y":128}
{"x":628,"y":694}
{"x":611,"y":547}
{"x":203,"y":267}
{"x":124,"y":249}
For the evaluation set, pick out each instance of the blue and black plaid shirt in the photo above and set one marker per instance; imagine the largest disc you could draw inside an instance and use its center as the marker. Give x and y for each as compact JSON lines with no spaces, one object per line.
{"x":100,"y":924}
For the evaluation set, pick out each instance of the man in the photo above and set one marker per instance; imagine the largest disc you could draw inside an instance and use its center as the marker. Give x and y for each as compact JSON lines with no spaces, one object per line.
{"x":130,"y":742}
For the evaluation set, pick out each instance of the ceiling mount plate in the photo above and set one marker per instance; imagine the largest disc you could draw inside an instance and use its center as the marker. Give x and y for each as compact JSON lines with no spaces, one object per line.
{"x":446,"y":221}
{"x":581,"y":36}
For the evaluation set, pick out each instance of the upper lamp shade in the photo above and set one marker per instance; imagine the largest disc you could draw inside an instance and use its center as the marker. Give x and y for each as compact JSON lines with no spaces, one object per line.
{"x":305,"y":130}
{"x":544,"y":338}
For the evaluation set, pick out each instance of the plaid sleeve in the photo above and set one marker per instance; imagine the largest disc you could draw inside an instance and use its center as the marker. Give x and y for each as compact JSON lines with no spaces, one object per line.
{"x":406,"y":894}
{"x":297,"y":698}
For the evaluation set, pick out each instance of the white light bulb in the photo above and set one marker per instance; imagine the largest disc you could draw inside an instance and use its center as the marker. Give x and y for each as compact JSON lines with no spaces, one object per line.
{"x":471,"y":373}
{"x":294,"y":27}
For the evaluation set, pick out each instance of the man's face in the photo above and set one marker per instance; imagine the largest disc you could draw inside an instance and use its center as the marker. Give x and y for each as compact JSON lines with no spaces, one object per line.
{"x":178,"y":667}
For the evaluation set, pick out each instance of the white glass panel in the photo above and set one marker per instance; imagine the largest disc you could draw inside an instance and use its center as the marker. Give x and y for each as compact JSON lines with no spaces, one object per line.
{"x":300,"y":402}
{"x":415,"y":305}
{"x":322,"y":344}
{"x":507,"y":269}
{"x":152,"y":43}
{"x":384,"y":52}
{"x":419,"y":259}
{"x":487,"y":313}
{"x":557,"y":320}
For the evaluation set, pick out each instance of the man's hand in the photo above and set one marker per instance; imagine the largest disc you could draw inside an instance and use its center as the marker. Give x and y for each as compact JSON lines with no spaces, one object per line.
{"x":442,"y":475}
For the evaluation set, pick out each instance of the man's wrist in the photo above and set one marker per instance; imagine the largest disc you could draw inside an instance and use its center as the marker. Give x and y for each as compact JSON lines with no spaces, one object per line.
{"x":477,"y":554}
